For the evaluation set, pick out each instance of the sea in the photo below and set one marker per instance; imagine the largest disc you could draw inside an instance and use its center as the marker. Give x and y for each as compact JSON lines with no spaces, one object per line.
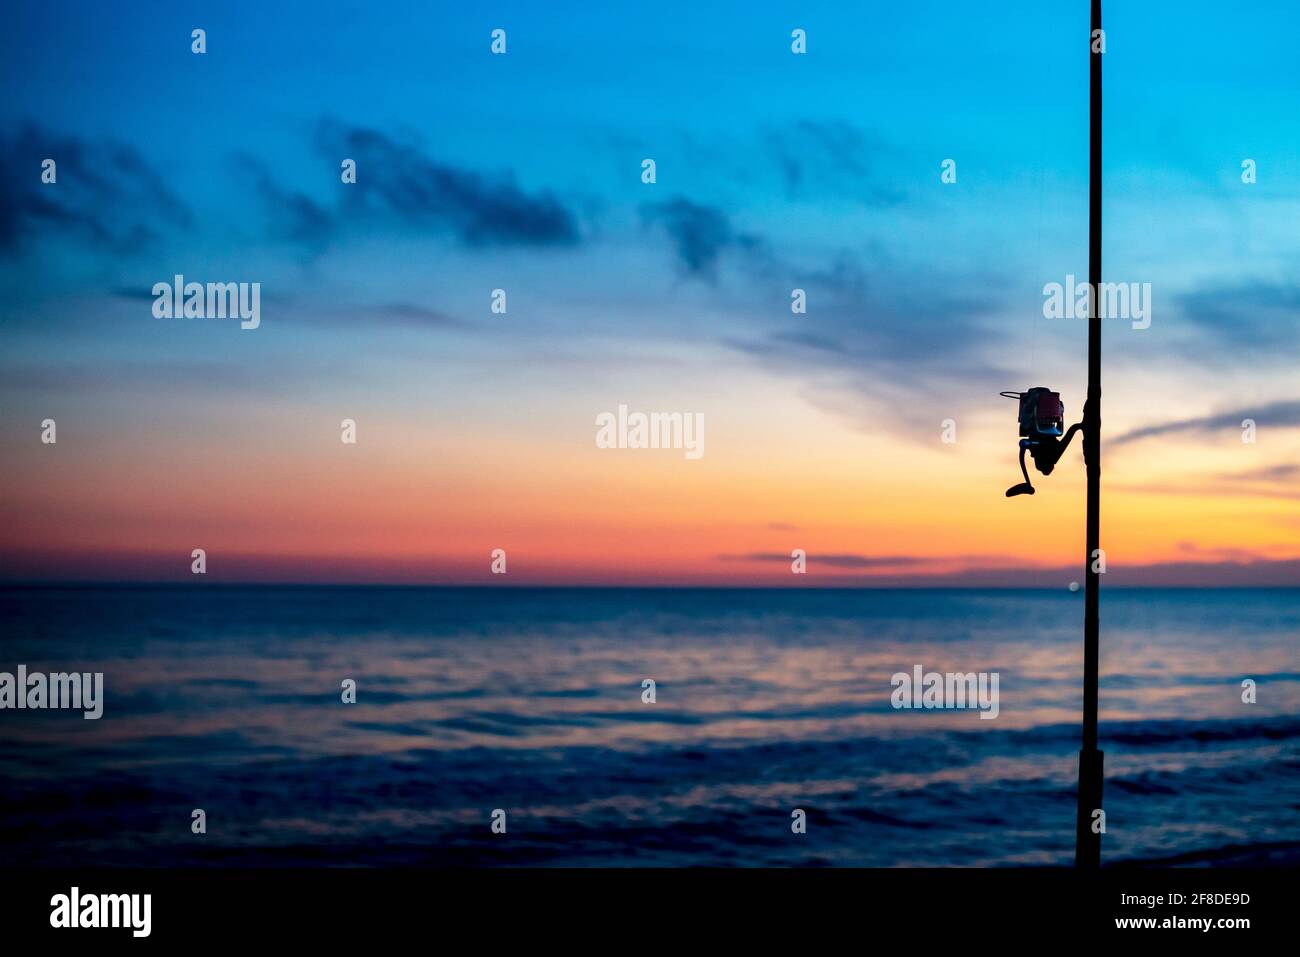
{"x":658,"y":727}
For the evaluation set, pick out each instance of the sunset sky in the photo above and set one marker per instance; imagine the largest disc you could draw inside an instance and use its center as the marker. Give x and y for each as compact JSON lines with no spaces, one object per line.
{"x":775,"y":171}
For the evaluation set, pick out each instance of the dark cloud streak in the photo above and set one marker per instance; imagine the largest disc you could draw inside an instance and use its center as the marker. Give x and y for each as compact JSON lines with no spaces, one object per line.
{"x":104,"y":194}
{"x":1281,"y":414}
{"x":398,"y":184}
{"x":700,"y":234}
{"x":837,"y":560}
{"x":1252,"y":317}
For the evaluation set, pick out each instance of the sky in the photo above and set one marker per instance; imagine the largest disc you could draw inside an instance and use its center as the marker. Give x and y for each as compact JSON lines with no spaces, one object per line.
{"x":522,"y":171}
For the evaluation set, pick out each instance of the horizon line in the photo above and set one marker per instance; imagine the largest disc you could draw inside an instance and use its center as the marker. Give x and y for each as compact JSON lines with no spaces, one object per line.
{"x":655,"y":586}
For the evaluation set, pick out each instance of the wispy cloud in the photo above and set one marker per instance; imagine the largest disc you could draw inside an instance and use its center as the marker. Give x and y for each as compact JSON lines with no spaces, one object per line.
{"x":398,"y":183}
{"x":836,"y":560}
{"x":294,"y":216}
{"x":699,"y":233}
{"x":105,"y":193}
{"x":402,"y":190}
{"x":1276,"y":482}
{"x":151,"y":377}
{"x":405,"y":313}
{"x":1285,"y":413}
{"x":830,"y":157}
{"x":1253,"y":317}
{"x":873,"y":340}
{"x":1271,"y":473}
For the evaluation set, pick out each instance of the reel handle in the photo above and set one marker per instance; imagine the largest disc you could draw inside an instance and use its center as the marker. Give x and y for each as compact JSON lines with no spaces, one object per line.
{"x":1026,"y":487}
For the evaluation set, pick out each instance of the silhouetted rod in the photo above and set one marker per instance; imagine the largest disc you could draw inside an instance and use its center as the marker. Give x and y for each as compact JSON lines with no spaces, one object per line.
{"x":1087,"y":847}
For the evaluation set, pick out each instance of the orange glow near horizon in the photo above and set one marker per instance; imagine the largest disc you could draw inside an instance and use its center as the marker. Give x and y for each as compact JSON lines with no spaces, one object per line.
{"x":412,"y":503}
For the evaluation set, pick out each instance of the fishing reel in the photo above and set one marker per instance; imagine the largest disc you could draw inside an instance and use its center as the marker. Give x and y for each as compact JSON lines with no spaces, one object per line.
{"x":1042,"y":418}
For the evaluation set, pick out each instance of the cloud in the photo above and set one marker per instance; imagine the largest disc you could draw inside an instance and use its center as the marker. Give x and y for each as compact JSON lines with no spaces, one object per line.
{"x":1281,"y":573}
{"x":840,"y":560}
{"x":105,"y":194}
{"x":405,"y":313}
{"x":870,"y":346}
{"x":1208,"y":490}
{"x":1276,"y":481}
{"x":399,"y":184}
{"x":1271,"y":473}
{"x":133,"y":378}
{"x":31,"y":564}
{"x":1205,"y":567}
{"x":1285,"y":413}
{"x":395,"y":312}
{"x":815,"y":158}
{"x":700,"y":234}
{"x":877,"y":333}
{"x":295,"y":216}
{"x":1223,"y":554}
{"x":829,"y":157}
{"x":1249,"y":317}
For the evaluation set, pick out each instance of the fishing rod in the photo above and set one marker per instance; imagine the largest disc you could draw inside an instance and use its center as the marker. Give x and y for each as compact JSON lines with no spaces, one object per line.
{"x":1042,"y":418}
